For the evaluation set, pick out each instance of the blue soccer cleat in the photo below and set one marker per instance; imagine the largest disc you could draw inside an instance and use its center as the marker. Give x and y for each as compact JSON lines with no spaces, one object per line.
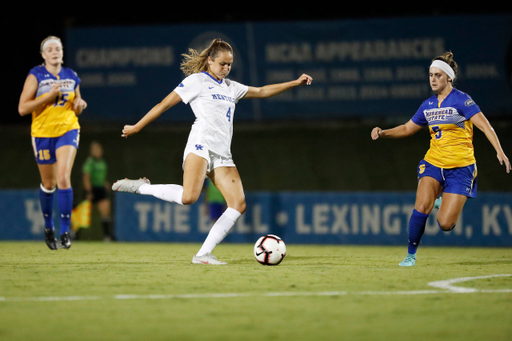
{"x":437,"y":203}
{"x":409,"y":260}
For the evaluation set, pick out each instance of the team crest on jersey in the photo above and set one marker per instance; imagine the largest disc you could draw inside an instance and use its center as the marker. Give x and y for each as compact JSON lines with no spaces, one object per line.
{"x":469,"y":102}
{"x":422,"y":169}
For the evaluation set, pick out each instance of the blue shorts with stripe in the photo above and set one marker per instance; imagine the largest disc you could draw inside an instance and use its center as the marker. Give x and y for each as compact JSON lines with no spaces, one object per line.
{"x":45,"y":147}
{"x":462,"y":180}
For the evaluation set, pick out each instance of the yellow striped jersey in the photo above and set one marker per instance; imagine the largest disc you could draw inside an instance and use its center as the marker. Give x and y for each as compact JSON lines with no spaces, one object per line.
{"x":56,"y":118}
{"x":451,"y":131}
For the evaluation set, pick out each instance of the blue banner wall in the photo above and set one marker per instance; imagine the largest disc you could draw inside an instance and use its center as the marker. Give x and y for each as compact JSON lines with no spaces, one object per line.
{"x":300,"y":217}
{"x":21,"y":215}
{"x":319,"y":218}
{"x":369,"y":68}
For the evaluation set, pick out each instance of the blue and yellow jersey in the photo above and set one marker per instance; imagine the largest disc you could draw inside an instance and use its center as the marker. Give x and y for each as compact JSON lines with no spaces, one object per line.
{"x":57,"y":118}
{"x":451,"y":131}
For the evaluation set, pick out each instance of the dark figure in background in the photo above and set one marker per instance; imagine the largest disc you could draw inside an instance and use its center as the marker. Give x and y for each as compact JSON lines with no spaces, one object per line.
{"x":97,"y":187}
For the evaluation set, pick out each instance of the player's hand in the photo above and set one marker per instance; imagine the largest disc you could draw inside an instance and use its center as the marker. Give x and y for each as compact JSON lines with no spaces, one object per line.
{"x":54,"y":90}
{"x":304,"y":79}
{"x":79,"y":105}
{"x":376,"y":133}
{"x":129,"y":130}
{"x":503,"y":159}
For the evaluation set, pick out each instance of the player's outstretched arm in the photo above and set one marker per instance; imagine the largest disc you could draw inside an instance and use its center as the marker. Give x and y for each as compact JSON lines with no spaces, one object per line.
{"x":275,"y":89}
{"x":168,"y":102}
{"x":404,"y":130}
{"x":481,"y":122}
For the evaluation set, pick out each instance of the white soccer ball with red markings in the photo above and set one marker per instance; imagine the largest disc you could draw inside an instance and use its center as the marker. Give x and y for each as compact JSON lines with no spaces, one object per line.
{"x":269,"y":250}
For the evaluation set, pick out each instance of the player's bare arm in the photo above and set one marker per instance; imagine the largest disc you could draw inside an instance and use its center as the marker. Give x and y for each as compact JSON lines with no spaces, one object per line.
{"x":275,"y":89}
{"x":404,"y":130}
{"x":481,"y":122}
{"x":168,"y":102}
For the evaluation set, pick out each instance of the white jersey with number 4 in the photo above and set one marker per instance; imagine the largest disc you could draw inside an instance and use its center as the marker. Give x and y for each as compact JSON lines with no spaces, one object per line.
{"x":213,"y":103}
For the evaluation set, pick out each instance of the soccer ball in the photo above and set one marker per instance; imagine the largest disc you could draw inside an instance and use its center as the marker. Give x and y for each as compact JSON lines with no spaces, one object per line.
{"x":269,"y":250}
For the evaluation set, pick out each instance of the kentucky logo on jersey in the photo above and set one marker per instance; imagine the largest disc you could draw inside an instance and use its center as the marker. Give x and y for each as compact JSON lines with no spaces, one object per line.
{"x":223,"y":98}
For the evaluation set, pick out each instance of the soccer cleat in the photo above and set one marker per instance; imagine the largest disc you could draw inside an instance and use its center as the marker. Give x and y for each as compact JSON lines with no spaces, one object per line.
{"x":65,"y":240}
{"x":409,"y":260}
{"x":130,"y":186}
{"x":437,"y":203}
{"x":207,"y":259}
{"x":50,"y":239}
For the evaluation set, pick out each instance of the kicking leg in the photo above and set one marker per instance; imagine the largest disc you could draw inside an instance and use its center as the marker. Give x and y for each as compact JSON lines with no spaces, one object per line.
{"x":194,"y":173}
{"x":193,"y":180}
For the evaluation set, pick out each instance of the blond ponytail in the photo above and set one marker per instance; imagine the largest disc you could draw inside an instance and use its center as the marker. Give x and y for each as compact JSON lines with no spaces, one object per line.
{"x":195,"y":62}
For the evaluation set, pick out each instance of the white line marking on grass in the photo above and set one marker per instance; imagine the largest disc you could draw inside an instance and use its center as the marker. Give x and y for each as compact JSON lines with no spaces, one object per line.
{"x":50,"y":298}
{"x":446,"y":286}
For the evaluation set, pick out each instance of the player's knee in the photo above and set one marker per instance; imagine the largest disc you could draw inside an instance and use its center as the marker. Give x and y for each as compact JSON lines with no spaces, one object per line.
{"x":423,"y":208}
{"x":239,"y":205}
{"x":189,"y":198}
{"x":446,"y":225}
{"x":242,"y":207}
{"x":49,"y":185}
{"x":63,"y":180}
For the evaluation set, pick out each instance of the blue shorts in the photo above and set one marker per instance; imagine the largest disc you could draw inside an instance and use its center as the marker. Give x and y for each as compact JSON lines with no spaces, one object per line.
{"x":45,"y":147}
{"x":462,"y":180}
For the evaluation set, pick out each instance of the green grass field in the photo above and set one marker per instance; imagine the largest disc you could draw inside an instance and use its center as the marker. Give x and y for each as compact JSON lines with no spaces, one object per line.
{"x":144,"y":291}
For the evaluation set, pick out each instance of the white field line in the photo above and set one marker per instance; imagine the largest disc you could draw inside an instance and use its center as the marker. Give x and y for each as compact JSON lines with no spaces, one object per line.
{"x":446,"y":287}
{"x":447,"y":284}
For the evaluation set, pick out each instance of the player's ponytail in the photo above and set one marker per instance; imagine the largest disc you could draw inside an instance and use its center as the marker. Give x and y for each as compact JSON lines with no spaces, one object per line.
{"x":195,"y":62}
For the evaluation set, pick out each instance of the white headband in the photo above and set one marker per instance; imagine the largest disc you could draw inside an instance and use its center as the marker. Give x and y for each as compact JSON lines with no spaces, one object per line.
{"x":445,"y":67}
{"x":50,"y":41}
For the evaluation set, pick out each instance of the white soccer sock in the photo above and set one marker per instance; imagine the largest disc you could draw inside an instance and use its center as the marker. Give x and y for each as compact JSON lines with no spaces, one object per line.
{"x":219,"y":230}
{"x":171,"y":193}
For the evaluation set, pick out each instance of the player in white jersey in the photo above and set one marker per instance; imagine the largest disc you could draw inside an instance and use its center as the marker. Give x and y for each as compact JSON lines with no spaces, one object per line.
{"x":213,"y":104}
{"x":212,"y":98}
